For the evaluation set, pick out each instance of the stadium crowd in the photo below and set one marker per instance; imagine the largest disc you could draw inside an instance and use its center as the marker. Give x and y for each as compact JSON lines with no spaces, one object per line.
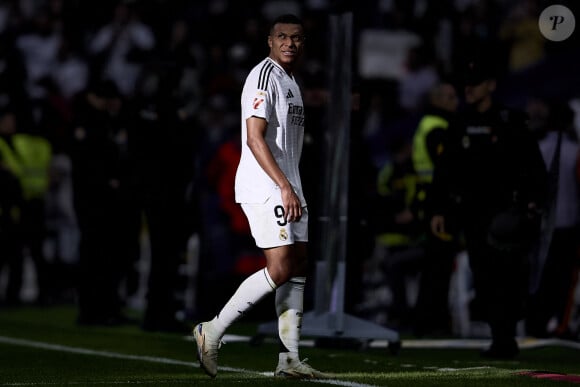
{"x":135,"y":106}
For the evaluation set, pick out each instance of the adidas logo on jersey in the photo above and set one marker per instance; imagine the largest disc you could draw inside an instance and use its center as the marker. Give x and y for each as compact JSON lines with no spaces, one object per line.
{"x":289,"y":95}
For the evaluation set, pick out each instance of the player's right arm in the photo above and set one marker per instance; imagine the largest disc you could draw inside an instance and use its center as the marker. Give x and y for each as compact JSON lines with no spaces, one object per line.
{"x":256,"y":133}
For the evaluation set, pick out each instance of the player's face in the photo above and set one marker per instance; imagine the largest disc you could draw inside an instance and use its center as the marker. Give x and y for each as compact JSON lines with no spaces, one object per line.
{"x":286,"y":43}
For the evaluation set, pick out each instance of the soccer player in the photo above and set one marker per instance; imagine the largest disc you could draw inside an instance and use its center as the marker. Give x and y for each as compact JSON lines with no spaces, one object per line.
{"x":269,"y":189}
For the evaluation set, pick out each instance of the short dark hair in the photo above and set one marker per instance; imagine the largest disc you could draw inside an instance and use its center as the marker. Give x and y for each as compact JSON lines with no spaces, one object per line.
{"x":286,"y":19}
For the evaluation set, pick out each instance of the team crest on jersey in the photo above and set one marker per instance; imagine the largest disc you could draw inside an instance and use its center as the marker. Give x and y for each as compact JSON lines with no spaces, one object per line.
{"x":283,"y":234}
{"x":257,"y":102}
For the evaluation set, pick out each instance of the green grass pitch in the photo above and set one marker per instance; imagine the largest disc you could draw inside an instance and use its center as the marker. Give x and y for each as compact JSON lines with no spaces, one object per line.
{"x":44,"y":347}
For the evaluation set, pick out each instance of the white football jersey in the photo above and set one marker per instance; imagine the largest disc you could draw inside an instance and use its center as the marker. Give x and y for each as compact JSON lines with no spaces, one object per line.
{"x":270,"y":93}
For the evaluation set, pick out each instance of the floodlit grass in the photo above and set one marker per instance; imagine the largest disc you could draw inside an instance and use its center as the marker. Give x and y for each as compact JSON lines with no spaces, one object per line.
{"x":44,"y":347}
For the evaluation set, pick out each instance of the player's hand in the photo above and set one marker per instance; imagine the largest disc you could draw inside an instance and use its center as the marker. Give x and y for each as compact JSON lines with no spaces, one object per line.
{"x":292,"y":206}
{"x":438,"y":225}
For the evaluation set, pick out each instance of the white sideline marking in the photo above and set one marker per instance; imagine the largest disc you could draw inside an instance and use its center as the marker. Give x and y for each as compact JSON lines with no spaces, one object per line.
{"x":151,"y":359}
{"x":85,"y":351}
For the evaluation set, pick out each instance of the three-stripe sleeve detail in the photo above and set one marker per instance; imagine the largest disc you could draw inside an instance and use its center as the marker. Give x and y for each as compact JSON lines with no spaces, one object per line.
{"x":265,"y":75}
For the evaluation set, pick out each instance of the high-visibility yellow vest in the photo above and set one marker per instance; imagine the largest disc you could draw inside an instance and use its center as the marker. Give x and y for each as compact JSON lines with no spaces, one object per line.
{"x":421,"y":160}
{"x":405,"y":183}
{"x":423,"y":163}
{"x":393,"y":239}
{"x":29,"y":160}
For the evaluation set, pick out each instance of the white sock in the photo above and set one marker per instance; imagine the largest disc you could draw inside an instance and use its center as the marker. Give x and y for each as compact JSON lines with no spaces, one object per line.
{"x":252,"y":290}
{"x":289,"y":308}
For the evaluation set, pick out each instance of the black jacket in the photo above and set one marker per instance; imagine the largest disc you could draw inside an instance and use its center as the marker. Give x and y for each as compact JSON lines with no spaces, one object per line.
{"x":490,"y":162}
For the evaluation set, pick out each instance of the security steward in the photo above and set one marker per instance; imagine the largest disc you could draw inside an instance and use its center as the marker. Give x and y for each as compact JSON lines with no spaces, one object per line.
{"x":492,"y":179}
{"x":431,"y":314}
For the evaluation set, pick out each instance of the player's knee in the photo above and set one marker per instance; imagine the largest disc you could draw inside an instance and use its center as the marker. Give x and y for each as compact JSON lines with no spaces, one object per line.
{"x":280,"y":272}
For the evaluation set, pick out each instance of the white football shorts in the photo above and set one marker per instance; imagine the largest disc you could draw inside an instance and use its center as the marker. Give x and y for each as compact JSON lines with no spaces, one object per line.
{"x":268,"y":226}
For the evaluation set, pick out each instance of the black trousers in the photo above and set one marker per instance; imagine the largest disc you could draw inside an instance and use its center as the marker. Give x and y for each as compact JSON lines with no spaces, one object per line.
{"x":500,"y":279}
{"x":432,"y":312}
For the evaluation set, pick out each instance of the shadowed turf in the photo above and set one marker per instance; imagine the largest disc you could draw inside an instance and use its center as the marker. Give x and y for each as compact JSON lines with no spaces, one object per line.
{"x":44,"y":347}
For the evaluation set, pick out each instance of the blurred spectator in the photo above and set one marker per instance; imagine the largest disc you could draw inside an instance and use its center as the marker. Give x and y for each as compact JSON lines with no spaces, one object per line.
{"x":420,"y":77}
{"x":551,"y":298}
{"x":62,"y":240}
{"x":71,"y":70}
{"x":39,"y":47}
{"x":104,"y":204}
{"x":10,"y":206}
{"x":28,"y":156}
{"x":220,"y":173}
{"x":521,"y":35}
{"x":181,"y":59}
{"x":397,"y":252}
{"x":121,"y":47}
{"x":219,"y":127}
